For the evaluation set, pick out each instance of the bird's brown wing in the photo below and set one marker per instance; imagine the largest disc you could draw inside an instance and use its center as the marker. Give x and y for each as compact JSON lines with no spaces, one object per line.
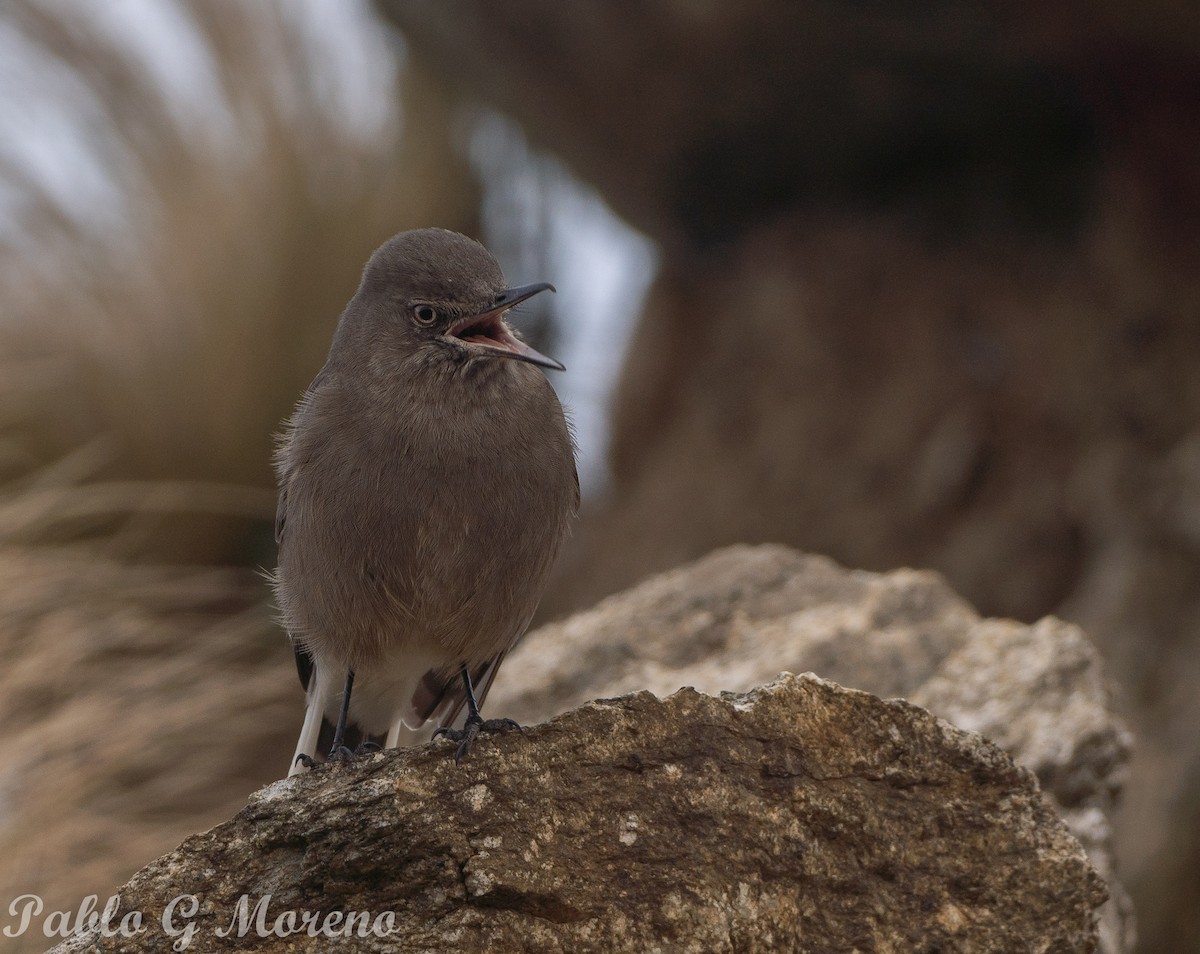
{"x":284,"y":467}
{"x":281,"y":511}
{"x":305,"y":664}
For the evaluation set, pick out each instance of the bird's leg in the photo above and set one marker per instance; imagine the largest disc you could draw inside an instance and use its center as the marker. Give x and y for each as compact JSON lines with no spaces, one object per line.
{"x":339,"y":752}
{"x":474,"y":725}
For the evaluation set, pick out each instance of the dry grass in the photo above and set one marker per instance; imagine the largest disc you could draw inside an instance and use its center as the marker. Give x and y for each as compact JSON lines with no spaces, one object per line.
{"x":182,"y":326}
{"x":139,"y":705}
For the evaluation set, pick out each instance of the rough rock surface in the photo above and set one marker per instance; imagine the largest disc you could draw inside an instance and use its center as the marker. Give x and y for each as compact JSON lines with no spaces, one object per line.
{"x":734,"y":619}
{"x":800,"y":816}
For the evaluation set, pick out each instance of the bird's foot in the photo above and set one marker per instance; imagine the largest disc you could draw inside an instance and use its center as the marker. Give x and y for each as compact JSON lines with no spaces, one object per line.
{"x":339,"y":753}
{"x":466,"y":736}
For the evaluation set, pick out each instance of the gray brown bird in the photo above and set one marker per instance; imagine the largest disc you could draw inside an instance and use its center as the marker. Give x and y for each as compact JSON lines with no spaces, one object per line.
{"x":426,"y":481}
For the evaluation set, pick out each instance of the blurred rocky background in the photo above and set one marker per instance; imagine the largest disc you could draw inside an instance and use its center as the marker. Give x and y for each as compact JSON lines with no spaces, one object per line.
{"x":923,"y":291}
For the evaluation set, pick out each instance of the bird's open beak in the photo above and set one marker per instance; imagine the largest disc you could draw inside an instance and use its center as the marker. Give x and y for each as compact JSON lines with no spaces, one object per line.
{"x":489,"y":332}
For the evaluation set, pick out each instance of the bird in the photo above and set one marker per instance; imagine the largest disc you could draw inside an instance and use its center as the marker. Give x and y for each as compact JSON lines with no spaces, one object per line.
{"x":426,"y":481}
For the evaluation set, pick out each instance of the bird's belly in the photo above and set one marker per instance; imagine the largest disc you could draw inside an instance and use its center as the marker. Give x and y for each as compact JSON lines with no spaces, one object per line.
{"x":462,"y":572}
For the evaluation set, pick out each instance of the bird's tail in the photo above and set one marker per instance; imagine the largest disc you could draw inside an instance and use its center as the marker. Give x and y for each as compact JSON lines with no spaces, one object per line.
{"x":316,"y":736}
{"x":310,"y":734}
{"x":440,"y":697}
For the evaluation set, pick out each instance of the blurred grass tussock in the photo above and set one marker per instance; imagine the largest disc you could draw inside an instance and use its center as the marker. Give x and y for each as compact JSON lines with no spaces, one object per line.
{"x":178,"y":305}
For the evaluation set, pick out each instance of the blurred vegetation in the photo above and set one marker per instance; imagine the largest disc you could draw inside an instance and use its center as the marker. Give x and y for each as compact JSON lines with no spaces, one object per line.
{"x":154,"y":333}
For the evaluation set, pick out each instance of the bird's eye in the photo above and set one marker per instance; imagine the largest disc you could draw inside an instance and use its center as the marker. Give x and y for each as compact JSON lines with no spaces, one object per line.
{"x":425,"y":314}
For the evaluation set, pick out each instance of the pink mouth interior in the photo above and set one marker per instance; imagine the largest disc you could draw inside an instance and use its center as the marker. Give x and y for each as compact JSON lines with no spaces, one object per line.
{"x":486,"y":330}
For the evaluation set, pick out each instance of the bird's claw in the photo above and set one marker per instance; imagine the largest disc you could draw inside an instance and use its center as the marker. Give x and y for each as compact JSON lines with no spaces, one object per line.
{"x":342,"y":753}
{"x":466,"y":736}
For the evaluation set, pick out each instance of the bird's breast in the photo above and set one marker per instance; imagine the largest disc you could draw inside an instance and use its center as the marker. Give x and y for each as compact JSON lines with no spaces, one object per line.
{"x":439,"y":520}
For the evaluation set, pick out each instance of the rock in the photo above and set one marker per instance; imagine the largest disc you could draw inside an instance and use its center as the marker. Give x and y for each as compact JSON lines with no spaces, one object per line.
{"x":1038,"y":691}
{"x":798,"y":816}
{"x":734,"y":619}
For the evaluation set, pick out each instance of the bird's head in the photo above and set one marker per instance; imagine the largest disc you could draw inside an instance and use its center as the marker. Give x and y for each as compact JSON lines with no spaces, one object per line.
{"x":436,"y":298}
